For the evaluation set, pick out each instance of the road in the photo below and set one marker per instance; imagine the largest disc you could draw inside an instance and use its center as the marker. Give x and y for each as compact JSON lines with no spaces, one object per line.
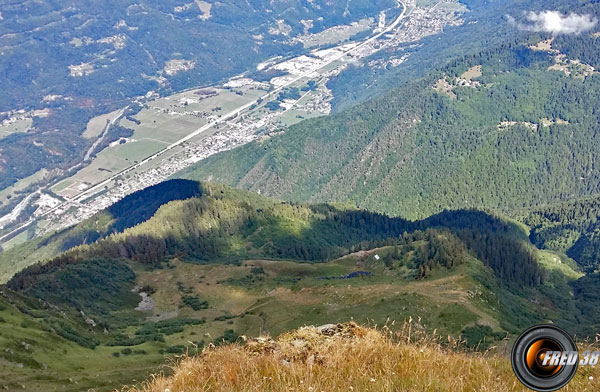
{"x":98,"y":186}
{"x":83,"y":195}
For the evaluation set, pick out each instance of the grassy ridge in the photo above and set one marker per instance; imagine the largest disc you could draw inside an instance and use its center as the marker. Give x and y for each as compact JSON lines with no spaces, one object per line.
{"x":255,"y":297}
{"x":347,"y":357}
{"x":230,"y":225}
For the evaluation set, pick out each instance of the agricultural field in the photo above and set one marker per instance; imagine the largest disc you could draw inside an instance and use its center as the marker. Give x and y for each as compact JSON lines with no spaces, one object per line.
{"x":166,"y":120}
{"x":335,"y":34}
{"x":160,"y":123}
{"x":20,"y":125}
{"x":17,"y":188}
{"x":426,"y":3}
{"x":97,"y":124}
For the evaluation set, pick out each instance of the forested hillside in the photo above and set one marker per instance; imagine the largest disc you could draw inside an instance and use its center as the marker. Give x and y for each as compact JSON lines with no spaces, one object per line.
{"x":485,"y":26}
{"x":570,"y":227}
{"x":220,"y":225}
{"x":130,"y":211}
{"x":506,"y":129}
{"x":224,"y":225}
{"x":185,"y":262}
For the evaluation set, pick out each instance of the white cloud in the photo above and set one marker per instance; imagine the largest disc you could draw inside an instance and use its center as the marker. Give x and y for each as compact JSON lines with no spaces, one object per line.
{"x":555,"y":22}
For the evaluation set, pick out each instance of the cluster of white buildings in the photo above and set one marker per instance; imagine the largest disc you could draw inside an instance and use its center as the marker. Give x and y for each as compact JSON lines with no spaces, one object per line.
{"x":248,"y":125}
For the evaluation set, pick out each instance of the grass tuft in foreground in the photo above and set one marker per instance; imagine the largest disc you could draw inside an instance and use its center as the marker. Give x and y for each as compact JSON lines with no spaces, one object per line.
{"x":347,"y":357}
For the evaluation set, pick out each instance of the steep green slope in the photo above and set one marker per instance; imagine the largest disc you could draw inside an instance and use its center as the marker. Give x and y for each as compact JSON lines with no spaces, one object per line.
{"x":248,"y":299}
{"x":570,"y":227}
{"x":46,"y":347}
{"x":227,"y":226}
{"x":516,"y":136}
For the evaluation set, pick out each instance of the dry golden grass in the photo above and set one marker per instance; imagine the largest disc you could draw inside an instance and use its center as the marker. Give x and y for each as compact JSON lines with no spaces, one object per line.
{"x":347,"y":357}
